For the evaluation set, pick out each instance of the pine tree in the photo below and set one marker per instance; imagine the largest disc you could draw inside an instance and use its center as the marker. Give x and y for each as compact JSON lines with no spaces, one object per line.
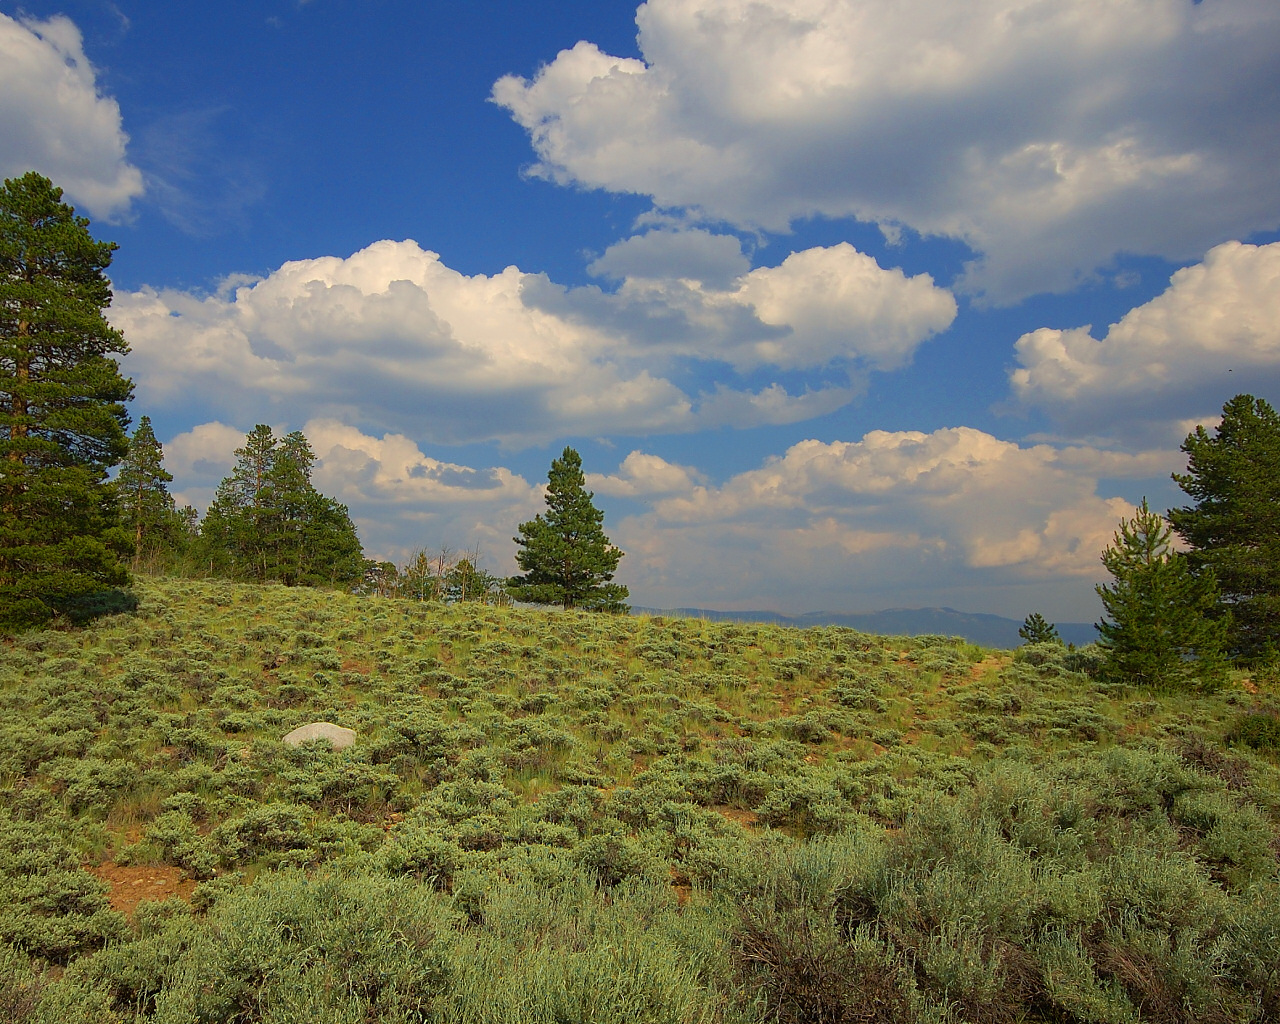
{"x":147,"y":509}
{"x":268,"y":522}
{"x":288,"y":510}
{"x":62,"y":413}
{"x":565,"y":555}
{"x":230,"y":533}
{"x":1036,"y":630}
{"x":1159,"y":630}
{"x":1233,"y":529}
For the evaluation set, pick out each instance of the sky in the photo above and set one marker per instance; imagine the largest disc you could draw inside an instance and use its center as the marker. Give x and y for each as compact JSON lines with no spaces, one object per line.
{"x":847,"y":304}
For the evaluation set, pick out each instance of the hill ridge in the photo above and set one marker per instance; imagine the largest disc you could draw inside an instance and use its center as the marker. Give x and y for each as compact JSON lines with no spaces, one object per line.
{"x":983,"y":628}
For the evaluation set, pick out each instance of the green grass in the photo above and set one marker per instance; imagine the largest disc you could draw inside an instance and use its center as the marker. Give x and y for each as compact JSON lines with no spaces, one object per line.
{"x":572,"y":817}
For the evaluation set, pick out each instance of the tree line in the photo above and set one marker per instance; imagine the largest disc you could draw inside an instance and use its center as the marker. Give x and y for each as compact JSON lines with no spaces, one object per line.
{"x":69,"y":533}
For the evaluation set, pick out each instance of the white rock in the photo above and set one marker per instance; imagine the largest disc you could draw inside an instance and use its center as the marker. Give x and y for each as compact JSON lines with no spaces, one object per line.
{"x":340,"y":738}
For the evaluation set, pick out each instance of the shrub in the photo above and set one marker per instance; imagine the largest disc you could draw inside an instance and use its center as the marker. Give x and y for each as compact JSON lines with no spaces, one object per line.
{"x":49,"y":906}
{"x":1258,"y":729}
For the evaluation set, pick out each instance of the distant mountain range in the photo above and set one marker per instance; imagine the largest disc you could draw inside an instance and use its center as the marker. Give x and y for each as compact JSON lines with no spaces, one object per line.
{"x":987,"y":630}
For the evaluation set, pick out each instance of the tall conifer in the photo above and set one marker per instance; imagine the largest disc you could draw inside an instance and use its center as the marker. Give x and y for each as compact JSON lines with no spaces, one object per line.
{"x":565,"y":555}
{"x":1233,"y":529}
{"x":146,"y":506}
{"x":268,"y":522}
{"x":1159,"y":631}
{"x":62,"y":413}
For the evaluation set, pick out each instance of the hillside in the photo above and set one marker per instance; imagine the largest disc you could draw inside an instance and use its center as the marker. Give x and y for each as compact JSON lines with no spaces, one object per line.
{"x":566,"y":817}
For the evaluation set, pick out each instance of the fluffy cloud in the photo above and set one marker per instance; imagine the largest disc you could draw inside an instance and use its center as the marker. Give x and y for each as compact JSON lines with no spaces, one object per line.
{"x":1213,"y":333}
{"x":1047,"y":136}
{"x":695,"y":255}
{"x":837,"y":300}
{"x":644,"y":475}
{"x":391,"y":337}
{"x":199,"y":458}
{"x":895,"y":518}
{"x":53,"y":119}
{"x":403,"y":500}
{"x":820,"y":306}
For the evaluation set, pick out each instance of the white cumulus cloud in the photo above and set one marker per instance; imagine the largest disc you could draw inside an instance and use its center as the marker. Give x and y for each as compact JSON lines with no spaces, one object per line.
{"x":709,"y":259}
{"x":392,"y":338}
{"x":645,"y":475}
{"x":1214,"y":332}
{"x":54,"y":120}
{"x":897,"y":518}
{"x":1048,"y":136}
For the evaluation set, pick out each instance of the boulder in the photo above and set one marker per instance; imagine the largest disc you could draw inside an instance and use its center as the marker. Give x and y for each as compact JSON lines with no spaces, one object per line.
{"x":340,"y":738}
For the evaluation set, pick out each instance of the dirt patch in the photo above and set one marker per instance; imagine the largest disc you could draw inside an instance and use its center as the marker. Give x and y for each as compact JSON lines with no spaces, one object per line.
{"x":986,"y":665}
{"x":682,"y":886}
{"x":747,"y":819}
{"x":131,"y":885}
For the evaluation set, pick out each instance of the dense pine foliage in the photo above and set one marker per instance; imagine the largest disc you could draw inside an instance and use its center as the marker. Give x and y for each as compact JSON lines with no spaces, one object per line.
{"x":268,"y":522}
{"x":1035,"y":629}
{"x":573,"y":817}
{"x":566,"y":557}
{"x":62,"y":413}
{"x":1160,"y":630}
{"x":1233,"y":528}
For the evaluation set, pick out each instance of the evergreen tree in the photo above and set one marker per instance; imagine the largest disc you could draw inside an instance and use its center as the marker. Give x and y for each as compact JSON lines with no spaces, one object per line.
{"x":62,"y":414}
{"x":1036,"y":630}
{"x":235,"y":521}
{"x":330,"y":553}
{"x":268,"y":522}
{"x":147,"y":509}
{"x":1233,"y":529}
{"x":381,"y":578}
{"x":284,"y":527}
{"x":566,"y":558}
{"x":1159,"y":630}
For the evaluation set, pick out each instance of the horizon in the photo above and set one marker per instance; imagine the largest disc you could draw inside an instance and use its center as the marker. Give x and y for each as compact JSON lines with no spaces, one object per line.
{"x":864,"y":308}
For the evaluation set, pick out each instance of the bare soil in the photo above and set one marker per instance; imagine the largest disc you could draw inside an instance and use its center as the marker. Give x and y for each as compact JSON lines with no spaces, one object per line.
{"x":131,"y":885}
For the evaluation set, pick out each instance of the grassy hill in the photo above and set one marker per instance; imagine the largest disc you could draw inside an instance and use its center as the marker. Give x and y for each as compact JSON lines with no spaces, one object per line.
{"x":569,"y":817}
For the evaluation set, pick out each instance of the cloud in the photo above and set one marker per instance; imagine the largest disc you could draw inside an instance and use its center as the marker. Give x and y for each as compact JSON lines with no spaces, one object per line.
{"x":53,"y":119}
{"x":1214,"y":332}
{"x":393,"y":339}
{"x":1047,"y":136}
{"x":644,"y":475}
{"x":893,"y":519}
{"x":709,"y":259}
{"x":199,"y":458}
{"x":402,"y":500}
{"x":820,"y":306}
{"x":838,"y":301}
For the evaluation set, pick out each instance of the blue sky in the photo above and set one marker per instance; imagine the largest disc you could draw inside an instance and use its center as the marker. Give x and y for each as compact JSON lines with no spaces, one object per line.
{"x":848,"y":304}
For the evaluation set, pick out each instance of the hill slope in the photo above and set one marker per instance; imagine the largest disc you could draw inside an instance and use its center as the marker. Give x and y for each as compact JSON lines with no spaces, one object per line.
{"x":565,"y":817}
